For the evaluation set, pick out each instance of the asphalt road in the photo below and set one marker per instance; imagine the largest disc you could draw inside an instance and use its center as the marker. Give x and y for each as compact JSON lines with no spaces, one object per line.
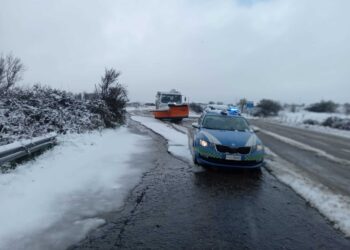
{"x":180,"y":206}
{"x":334,"y":145}
{"x":333,"y":174}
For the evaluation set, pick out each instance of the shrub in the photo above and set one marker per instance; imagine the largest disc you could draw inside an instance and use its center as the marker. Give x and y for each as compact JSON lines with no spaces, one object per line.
{"x":267,"y":107}
{"x":115,"y":97}
{"x":323,"y":107}
{"x":336,"y":122}
{"x":35,"y":111}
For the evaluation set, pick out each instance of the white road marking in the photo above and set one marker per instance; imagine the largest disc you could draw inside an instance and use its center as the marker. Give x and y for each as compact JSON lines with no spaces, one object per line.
{"x":306,"y":147}
{"x":319,"y":142}
{"x":346,"y":150}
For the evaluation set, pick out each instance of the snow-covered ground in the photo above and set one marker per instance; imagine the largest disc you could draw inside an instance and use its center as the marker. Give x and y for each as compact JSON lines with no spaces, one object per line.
{"x":177,"y":141}
{"x":140,"y":108}
{"x":53,"y":201}
{"x":299,"y":117}
{"x":296,"y":120}
{"x":193,"y":114}
{"x":334,"y":206}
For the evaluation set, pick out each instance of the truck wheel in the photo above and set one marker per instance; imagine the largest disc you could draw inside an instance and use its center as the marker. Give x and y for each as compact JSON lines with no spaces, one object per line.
{"x":177,"y":120}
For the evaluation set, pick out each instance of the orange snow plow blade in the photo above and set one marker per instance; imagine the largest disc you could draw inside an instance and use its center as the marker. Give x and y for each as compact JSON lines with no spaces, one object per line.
{"x":175,"y":112}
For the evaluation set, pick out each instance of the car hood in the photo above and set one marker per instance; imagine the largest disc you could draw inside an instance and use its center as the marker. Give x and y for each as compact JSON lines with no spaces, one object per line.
{"x":229,"y":138}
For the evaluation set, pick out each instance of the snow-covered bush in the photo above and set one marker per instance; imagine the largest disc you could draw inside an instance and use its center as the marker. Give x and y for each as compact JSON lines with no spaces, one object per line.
{"x":323,"y":107}
{"x":267,"y":107}
{"x":30,"y":112}
{"x":114,"y":96}
{"x":336,"y":122}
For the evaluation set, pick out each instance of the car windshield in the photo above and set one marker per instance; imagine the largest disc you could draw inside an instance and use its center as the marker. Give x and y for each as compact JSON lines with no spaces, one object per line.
{"x":171,"y":98}
{"x":225,"y":123}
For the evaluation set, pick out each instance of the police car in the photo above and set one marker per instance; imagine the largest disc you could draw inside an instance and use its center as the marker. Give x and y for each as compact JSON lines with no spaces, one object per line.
{"x":223,"y":138}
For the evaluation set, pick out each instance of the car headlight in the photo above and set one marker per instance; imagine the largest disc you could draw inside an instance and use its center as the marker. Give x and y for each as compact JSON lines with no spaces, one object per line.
{"x":259,"y":147}
{"x":203,"y":143}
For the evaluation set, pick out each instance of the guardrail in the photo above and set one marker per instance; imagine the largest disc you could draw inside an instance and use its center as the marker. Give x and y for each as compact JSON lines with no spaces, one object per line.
{"x":17,"y":152}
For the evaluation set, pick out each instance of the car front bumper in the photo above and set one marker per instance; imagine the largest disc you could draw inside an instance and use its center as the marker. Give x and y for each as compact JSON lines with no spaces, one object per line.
{"x":214,"y":162}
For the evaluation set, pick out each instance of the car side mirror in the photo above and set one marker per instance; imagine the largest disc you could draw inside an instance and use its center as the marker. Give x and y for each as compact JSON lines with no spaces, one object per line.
{"x":195,"y":125}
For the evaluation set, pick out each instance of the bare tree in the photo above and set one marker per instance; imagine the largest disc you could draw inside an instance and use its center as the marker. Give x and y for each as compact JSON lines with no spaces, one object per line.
{"x":11,"y":70}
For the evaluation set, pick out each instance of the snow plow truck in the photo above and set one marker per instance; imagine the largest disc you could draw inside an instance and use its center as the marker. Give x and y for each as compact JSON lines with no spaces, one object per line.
{"x":171,"y":105}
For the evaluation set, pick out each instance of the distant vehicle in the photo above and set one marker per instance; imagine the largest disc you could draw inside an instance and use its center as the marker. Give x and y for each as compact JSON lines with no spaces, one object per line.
{"x":171,"y":105}
{"x":224,"y":139}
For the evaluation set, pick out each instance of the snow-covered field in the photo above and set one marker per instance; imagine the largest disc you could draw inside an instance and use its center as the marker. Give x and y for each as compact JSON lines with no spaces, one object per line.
{"x":296,"y":120}
{"x":177,"y":141}
{"x":55,"y":200}
{"x":299,"y":117}
{"x":334,"y":206}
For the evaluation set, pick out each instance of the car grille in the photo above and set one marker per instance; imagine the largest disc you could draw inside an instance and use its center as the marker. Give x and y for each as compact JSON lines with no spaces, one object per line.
{"x":226,"y":149}
{"x":232,"y":163}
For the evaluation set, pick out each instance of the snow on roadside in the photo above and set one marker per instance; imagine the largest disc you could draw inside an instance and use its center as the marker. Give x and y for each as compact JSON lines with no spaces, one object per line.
{"x":193,"y":114}
{"x":52,"y":202}
{"x":334,"y":206}
{"x":296,"y":120}
{"x":299,"y":117}
{"x":321,"y":129}
{"x":177,"y":141}
{"x":140,"y":108}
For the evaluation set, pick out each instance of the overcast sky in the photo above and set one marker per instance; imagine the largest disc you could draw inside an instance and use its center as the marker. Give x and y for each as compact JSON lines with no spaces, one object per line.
{"x":287,"y":50}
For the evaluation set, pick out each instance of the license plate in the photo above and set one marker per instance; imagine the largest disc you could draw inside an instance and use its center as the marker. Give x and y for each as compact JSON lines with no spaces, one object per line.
{"x":234,"y":157}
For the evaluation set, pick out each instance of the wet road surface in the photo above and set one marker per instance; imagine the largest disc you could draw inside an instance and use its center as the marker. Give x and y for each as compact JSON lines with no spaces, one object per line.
{"x":179,"y":206}
{"x":333,"y":174}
